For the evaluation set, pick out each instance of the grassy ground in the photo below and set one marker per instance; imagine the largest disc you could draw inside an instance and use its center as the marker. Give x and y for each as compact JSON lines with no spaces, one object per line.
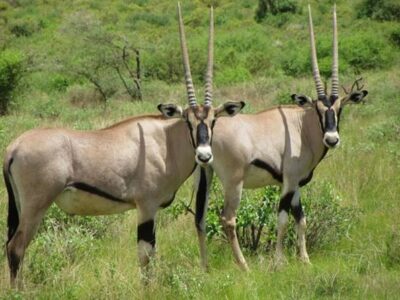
{"x":365,"y":169}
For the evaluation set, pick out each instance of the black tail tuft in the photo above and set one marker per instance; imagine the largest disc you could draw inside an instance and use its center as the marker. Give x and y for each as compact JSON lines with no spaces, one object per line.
{"x":13,"y":218}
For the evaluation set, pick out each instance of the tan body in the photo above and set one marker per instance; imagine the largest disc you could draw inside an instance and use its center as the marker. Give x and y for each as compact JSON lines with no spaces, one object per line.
{"x":124,"y":161}
{"x":140,"y":163}
{"x":257,"y":134}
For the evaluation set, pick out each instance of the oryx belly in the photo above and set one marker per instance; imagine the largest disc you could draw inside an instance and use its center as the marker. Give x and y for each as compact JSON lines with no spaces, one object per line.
{"x":260,"y":174}
{"x":257,"y":177}
{"x":78,"y":202}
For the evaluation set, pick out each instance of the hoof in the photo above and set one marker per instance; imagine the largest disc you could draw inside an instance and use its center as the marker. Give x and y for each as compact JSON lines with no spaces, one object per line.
{"x":305,"y":260}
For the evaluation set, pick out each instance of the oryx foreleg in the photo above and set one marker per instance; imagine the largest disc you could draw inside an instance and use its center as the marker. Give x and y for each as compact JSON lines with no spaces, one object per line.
{"x":233,"y":194}
{"x":290,"y":201}
{"x":298,"y":214}
{"x":146,"y":235}
{"x":203,"y":186}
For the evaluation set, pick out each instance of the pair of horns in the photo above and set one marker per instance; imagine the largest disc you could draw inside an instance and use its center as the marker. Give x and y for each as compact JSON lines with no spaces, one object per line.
{"x":335,"y":61}
{"x":185,"y":57}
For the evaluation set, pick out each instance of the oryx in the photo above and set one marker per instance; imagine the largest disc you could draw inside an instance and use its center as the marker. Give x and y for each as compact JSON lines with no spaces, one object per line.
{"x":137,"y":163}
{"x":280,"y":146}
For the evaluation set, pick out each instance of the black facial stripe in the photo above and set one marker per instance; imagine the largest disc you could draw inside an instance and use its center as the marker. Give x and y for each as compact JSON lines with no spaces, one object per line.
{"x":145,"y":232}
{"x":191,"y":133}
{"x":284,"y":204}
{"x":93,"y":190}
{"x":202,"y":134}
{"x":201,"y":198}
{"x":263,"y":165}
{"x":330,"y":122}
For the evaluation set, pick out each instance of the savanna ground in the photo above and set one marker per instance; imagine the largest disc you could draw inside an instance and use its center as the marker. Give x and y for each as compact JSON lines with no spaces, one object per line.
{"x":261,"y":63}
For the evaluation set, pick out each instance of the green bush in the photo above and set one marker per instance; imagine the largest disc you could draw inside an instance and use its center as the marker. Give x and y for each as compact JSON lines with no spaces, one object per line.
{"x":59,"y":82}
{"x":357,"y":51}
{"x":11,"y":71}
{"x":383,"y":10}
{"x":365,"y":50}
{"x":274,"y":7}
{"x":395,"y":37}
{"x":327,"y":219}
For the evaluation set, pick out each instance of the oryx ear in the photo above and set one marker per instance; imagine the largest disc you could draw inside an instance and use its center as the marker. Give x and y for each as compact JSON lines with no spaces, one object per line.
{"x":229,"y":109}
{"x":355,"y":97}
{"x":170,"y":110}
{"x":301,"y":100}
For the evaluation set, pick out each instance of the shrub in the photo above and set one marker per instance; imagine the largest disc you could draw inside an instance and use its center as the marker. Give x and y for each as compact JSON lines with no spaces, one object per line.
{"x":357,"y":51}
{"x":383,"y":10}
{"x":59,"y":83}
{"x":274,"y":7}
{"x":11,"y":71}
{"x":327,"y":219}
{"x":395,"y":37}
{"x":365,"y":50}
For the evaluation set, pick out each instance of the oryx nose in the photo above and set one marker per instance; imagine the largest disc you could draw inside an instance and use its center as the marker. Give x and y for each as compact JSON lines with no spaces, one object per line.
{"x":204,"y":157}
{"x":204,"y":154}
{"x":332,"y":142}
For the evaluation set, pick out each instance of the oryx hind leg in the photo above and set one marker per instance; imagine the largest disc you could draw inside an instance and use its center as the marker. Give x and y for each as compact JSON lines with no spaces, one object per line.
{"x":34,"y":195}
{"x":202,"y":185}
{"x":232,"y":197}
{"x":29,"y":222}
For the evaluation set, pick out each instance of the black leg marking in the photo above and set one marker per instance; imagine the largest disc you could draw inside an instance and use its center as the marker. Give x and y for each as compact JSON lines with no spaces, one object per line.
{"x":297,"y":212}
{"x":284,"y":204}
{"x":146,"y":232}
{"x":201,"y":198}
{"x":263,"y":165}
{"x":93,"y":190}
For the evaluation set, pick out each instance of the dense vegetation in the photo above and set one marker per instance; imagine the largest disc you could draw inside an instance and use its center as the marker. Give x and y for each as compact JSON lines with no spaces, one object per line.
{"x":74,"y":64}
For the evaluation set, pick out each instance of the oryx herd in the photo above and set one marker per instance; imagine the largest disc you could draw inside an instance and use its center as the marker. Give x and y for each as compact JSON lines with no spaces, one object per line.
{"x":141,"y":162}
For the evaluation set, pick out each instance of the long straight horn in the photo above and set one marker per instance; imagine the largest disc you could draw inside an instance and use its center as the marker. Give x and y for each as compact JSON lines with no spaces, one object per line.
{"x":314,"y":62}
{"x":185,"y":58}
{"x":335,"y":60}
{"x":209,"y":74}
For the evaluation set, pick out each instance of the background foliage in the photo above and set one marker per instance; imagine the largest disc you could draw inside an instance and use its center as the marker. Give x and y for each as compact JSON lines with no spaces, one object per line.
{"x":52,"y":55}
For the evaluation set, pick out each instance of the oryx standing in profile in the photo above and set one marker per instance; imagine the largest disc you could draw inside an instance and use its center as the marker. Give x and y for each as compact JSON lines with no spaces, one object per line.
{"x":138,"y":163}
{"x":280,"y":146}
